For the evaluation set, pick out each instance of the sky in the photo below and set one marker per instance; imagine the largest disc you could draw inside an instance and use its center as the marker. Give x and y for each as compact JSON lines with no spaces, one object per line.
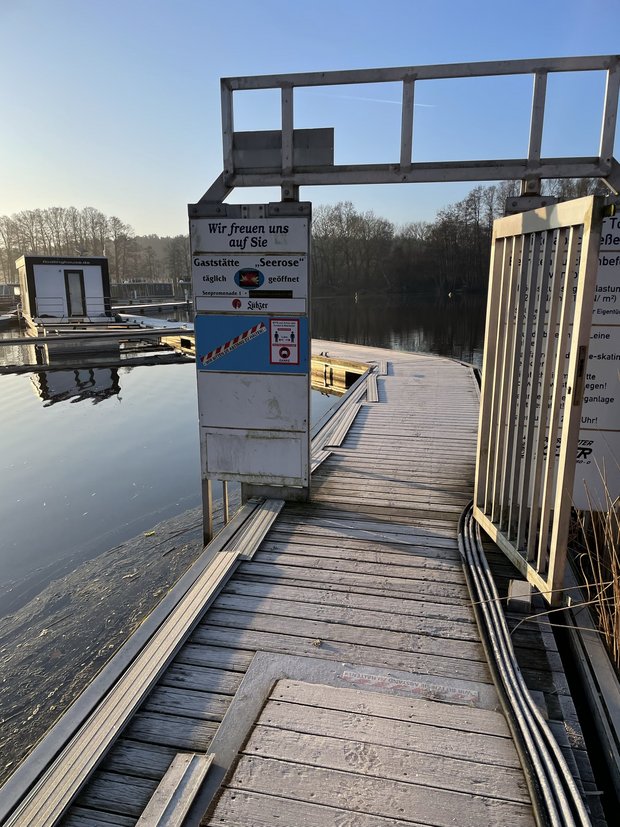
{"x":115,"y":104}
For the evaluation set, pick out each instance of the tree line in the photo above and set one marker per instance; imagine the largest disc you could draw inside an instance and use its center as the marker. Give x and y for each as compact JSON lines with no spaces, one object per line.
{"x":67,"y":231}
{"x":353,"y":251}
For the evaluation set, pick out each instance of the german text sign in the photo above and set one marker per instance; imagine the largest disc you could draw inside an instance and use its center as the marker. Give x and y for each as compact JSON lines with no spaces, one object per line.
{"x":254,"y":265}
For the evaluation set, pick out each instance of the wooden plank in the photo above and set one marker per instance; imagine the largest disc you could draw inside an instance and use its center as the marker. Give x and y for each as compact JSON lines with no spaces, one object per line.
{"x":418,"y":560}
{"x":325,"y":521}
{"x":338,"y":433}
{"x":239,"y":808}
{"x":248,"y":538}
{"x":396,"y":707}
{"x":429,"y":606}
{"x":268,"y":641}
{"x":174,"y":731}
{"x":435,"y":548}
{"x":405,"y":516}
{"x":215,"y":657}
{"x":369,"y":484}
{"x":86,"y":817}
{"x":420,"y":589}
{"x":206,"y":706}
{"x":415,"y":568}
{"x":336,"y":517}
{"x":391,"y":762}
{"x":136,"y":758}
{"x":317,"y":594}
{"x":375,"y":507}
{"x":343,"y":633}
{"x":466,"y":640}
{"x":172,"y":799}
{"x":372,"y":392}
{"x":435,"y":740}
{"x":449,"y":502}
{"x":380,"y":796}
{"x":201,"y":678}
{"x":420,"y":578}
{"x":120,"y":794}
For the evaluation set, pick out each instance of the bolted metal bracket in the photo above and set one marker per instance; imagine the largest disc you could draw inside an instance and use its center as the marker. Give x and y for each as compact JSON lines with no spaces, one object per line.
{"x":524,"y":203}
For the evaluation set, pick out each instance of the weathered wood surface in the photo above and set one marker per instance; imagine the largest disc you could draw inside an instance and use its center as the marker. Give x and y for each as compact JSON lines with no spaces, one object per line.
{"x":369,"y":757}
{"x":369,"y":574}
{"x":175,"y":794}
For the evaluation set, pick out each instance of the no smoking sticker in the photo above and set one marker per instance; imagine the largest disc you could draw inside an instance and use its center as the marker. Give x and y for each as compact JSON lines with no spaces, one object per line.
{"x":284,"y":341}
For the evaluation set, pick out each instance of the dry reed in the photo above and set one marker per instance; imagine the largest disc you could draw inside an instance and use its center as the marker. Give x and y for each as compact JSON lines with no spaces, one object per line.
{"x":598,"y":547}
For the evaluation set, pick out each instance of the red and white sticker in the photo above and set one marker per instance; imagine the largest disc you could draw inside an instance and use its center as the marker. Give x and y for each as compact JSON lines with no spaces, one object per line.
{"x":284,"y":341}
{"x":233,"y":344}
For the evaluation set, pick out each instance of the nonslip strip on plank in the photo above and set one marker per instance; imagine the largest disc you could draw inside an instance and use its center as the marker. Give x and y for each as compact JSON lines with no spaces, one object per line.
{"x":372,"y":392}
{"x":175,"y":793}
{"x":338,"y":434}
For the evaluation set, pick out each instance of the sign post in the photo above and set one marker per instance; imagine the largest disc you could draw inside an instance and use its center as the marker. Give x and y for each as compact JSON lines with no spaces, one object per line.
{"x":250,"y":271}
{"x":597,"y":477}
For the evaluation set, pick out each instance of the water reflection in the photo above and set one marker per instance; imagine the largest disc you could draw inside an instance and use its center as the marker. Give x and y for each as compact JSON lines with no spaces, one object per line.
{"x":93,"y":384}
{"x":443,"y":325}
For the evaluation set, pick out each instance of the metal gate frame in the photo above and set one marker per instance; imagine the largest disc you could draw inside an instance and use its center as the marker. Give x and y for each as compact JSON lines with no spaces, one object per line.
{"x":523,"y":491}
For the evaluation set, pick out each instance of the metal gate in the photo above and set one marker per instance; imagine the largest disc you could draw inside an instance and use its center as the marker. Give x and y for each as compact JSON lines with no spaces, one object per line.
{"x":541,"y":291}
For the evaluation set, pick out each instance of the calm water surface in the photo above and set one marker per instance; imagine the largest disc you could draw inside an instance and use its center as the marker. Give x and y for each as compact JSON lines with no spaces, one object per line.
{"x":90,"y":458}
{"x":443,"y":325}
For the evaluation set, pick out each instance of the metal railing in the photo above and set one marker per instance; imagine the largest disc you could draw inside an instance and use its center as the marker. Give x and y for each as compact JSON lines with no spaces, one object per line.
{"x":56,"y":307}
{"x":539,"y":314}
{"x":290,"y":157}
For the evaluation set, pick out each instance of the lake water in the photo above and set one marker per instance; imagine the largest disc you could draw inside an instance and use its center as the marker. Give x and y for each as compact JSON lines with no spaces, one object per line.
{"x":92,"y":457}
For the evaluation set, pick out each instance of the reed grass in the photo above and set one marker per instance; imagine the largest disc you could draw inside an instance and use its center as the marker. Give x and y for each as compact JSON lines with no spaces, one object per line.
{"x":597,"y":543}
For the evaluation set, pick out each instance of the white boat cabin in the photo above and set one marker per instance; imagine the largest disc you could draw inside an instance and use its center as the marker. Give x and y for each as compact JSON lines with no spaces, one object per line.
{"x":65,"y":288}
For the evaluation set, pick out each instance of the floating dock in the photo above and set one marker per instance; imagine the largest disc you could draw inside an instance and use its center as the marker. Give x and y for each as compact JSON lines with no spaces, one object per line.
{"x":321,"y":663}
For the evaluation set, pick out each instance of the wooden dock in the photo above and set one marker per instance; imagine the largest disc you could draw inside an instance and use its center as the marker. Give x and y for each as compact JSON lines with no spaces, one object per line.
{"x":326,"y":655}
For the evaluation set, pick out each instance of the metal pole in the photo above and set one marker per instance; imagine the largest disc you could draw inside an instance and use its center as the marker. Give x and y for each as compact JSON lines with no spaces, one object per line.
{"x":225,"y":500}
{"x":207,"y":510}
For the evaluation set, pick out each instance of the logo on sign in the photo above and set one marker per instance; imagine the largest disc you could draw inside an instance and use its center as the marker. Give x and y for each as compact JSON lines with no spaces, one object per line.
{"x":249,"y":278}
{"x":236,"y":304}
{"x":284,"y":353}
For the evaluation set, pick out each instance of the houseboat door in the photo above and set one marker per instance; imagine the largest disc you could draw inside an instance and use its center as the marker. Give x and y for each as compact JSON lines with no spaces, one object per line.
{"x":74,"y":287}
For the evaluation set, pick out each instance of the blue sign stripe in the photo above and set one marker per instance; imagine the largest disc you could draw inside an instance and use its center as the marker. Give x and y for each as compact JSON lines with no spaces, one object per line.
{"x":242,"y":344}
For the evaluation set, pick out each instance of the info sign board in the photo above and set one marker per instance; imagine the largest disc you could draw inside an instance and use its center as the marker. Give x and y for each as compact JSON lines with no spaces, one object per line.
{"x":250,"y":271}
{"x":250,"y":265}
{"x":598,"y":454}
{"x":597,"y":472}
{"x":252,"y":344}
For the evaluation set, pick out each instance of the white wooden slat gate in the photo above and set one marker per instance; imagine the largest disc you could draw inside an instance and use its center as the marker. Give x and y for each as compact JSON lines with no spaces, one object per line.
{"x":541,"y":292}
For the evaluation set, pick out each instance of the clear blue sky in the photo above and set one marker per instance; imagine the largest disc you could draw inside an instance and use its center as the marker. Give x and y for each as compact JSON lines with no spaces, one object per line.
{"x":115,"y":103}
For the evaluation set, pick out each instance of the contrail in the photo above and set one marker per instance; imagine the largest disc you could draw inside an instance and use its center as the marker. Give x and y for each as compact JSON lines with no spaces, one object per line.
{"x":372,"y":100}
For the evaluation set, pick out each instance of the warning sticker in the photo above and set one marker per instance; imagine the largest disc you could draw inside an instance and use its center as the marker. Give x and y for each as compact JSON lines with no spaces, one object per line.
{"x":284,"y":341}
{"x":251,"y":344}
{"x":232,"y":344}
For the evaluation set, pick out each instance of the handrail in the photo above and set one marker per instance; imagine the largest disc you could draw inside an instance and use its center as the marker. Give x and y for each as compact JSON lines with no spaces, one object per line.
{"x":246,"y":162}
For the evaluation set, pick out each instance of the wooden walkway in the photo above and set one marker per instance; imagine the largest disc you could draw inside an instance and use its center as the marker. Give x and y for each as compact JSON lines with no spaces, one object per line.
{"x":338,"y":677}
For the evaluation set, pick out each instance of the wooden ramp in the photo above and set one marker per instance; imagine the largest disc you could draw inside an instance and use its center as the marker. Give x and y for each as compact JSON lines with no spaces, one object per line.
{"x":323,"y":755}
{"x":338,"y":677}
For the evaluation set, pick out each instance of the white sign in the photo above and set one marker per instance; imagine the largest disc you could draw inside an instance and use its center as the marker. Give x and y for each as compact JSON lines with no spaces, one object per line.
{"x":284,"y":341}
{"x":260,"y":283}
{"x":598,"y":460}
{"x":251,"y":293}
{"x":599,"y":433}
{"x":237,"y":304}
{"x":249,"y":235}
{"x":261,"y":262}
